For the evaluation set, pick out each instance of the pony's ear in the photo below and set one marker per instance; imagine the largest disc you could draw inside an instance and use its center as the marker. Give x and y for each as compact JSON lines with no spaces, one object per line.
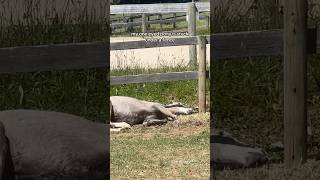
{"x":6,"y":164}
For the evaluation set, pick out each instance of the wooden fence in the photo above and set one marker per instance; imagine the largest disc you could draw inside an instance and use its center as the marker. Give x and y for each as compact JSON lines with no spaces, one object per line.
{"x":191,"y":9}
{"x":93,"y":54}
{"x":294,"y":43}
{"x":157,"y":8}
{"x":201,"y":74}
{"x":143,"y":22}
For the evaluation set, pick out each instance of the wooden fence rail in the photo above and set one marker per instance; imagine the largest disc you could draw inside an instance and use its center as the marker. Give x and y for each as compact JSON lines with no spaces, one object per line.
{"x":140,"y":23}
{"x":157,"y":8}
{"x":157,"y":77}
{"x":256,"y":43}
{"x":93,"y":54}
{"x":53,"y":57}
{"x":152,"y":44}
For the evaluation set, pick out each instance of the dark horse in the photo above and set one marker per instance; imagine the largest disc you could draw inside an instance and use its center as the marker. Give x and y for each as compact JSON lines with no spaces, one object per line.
{"x":50,"y":145}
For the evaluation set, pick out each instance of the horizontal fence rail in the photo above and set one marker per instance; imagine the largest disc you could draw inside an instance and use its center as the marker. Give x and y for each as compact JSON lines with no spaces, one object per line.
{"x":157,"y":8}
{"x":157,"y":77}
{"x":152,"y":44}
{"x":257,"y":43}
{"x":53,"y":57}
{"x":139,"y":23}
{"x":135,"y":17}
{"x":94,"y":55}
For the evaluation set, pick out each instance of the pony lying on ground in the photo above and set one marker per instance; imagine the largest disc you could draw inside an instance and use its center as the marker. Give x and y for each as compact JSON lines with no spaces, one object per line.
{"x":228,"y":152}
{"x":128,"y":111}
{"x":38,"y":145}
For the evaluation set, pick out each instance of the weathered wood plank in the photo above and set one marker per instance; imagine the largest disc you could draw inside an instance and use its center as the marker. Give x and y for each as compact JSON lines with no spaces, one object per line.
{"x":245,"y":44}
{"x":295,"y":81}
{"x":53,"y":57}
{"x":192,"y":30}
{"x":255,"y":43}
{"x":156,"y":8}
{"x":151,"y":44}
{"x":158,"y":77}
{"x":202,"y":74}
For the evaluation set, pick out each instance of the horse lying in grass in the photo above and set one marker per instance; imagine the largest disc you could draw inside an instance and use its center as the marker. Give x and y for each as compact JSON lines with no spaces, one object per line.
{"x":38,"y":145}
{"x":228,"y":152}
{"x":128,"y":111}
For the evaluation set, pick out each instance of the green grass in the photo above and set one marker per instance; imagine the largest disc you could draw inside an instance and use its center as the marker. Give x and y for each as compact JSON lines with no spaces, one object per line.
{"x":81,"y":92}
{"x":164,"y":92}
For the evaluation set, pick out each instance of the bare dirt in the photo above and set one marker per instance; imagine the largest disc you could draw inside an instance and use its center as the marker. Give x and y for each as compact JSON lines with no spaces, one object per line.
{"x":150,"y":57}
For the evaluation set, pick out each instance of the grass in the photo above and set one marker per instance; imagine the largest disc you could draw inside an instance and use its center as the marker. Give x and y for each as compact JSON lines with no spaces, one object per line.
{"x":179,"y":149}
{"x":164,"y":92}
{"x":81,"y":92}
{"x":309,"y":171}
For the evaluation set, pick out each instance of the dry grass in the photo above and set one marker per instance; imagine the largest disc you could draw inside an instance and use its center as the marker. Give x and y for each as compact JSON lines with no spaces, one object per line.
{"x":309,"y":171}
{"x":179,"y":149}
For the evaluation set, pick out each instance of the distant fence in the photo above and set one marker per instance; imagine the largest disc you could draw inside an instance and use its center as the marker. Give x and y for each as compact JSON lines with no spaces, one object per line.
{"x":157,"y":8}
{"x":148,"y":9}
{"x":191,"y":9}
{"x":126,"y":22}
{"x":201,"y":74}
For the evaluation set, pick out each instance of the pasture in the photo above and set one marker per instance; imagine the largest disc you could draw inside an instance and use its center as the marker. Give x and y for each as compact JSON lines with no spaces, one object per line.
{"x":177,"y":150}
{"x":247,"y":96}
{"x":309,"y":171}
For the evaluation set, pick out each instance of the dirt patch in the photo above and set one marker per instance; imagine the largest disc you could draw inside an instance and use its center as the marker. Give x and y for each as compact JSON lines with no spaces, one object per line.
{"x":183,"y":126}
{"x":150,"y":57}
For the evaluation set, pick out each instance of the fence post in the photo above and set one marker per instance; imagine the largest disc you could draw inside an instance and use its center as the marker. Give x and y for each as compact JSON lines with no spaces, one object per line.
{"x":160,"y":18}
{"x":174,"y":24}
{"x":130,"y":28}
{"x":202,"y":42}
{"x":208,"y":22}
{"x":144,"y":24}
{"x":191,"y":15}
{"x":295,"y":112}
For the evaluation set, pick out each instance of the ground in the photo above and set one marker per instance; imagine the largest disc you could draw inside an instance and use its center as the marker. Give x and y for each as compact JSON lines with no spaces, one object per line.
{"x":309,"y":171}
{"x":150,"y":57}
{"x":179,"y":149}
